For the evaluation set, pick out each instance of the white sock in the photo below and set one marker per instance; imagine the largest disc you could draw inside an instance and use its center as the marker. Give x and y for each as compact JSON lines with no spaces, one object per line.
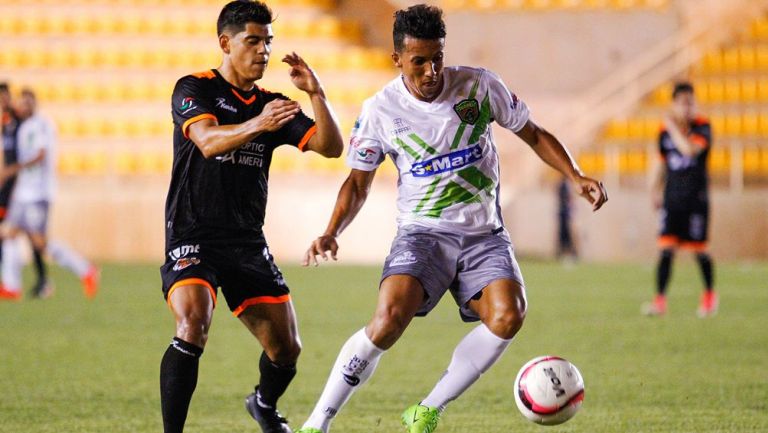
{"x":474,"y":354}
{"x":66,"y":257}
{"x":12,"y":265}
{"x":356,"y":362}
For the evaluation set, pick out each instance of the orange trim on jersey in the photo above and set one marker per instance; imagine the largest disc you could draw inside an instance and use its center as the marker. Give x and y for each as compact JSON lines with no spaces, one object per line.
{"x":189,"y":282}
{"x":666,"y":241}
{"x":248,"y":101}
{"x":305,"y":139}
{"x":696,"y":247}
{"x":205,"y":74}
{"x":261,"y":300}
{"x":3,"y":212}
{"x":197,"y":118}
{"x":699,"y":140}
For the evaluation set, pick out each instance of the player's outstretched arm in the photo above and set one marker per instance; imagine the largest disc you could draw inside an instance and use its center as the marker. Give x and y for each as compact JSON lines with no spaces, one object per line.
{"x":551,"y":151}
{"x":352,"y":195}
{"x":213,"y":139}
{"x":327,"y":141}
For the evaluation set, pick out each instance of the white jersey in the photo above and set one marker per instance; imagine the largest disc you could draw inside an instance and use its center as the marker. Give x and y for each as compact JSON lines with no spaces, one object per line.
{"x":444,"y":151}
{"x":35,"y":183}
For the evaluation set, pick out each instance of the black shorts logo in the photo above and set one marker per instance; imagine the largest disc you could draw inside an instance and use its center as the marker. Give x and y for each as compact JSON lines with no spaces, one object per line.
{"x":468,"y":110}
{"x":185,"y":262}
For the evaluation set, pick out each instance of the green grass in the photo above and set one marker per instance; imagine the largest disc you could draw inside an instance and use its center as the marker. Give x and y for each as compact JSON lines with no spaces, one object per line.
{"x":70,"y":365}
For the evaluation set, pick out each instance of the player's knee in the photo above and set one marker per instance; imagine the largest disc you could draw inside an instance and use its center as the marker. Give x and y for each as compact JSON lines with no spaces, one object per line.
{"x":193,"y":328}
{"x":286,"y":353}
{"x":506,"y":321}
{"x":387,"y":326}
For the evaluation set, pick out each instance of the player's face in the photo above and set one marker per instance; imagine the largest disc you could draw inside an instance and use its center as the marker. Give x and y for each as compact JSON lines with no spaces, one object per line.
{"x":684,"y":106}
{"x":421,"y":63}
{"x":26,"y":106}
{"x":249,"y":50}
{"x":5,"y":99}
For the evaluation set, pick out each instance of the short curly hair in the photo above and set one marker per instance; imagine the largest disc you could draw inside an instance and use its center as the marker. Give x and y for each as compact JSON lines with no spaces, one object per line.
{"x":420,"y":21}
{"x":236,"y":14}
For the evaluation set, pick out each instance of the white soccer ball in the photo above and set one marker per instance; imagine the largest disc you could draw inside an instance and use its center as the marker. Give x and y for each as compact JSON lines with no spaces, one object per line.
{"x":549,"y":390}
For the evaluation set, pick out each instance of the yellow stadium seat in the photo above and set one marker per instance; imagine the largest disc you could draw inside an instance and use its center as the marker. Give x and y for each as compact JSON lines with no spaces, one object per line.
{"x":719,"y":160}
{"x":592,"y":162}
{"x":636,"y":128}
{"x":732,"y":90}
{"x":715,"y":91}
{"x":633,"y":162}
{"x":751,"y":160}
{"x":731,"y":60}
{"x":764,"y":161}
{"x":651,"y":128}
{"x":759,"y":29}
{"x":713,"y":62}
{"x":762,"y":90}
{"x":617,"y":129}
{"x":663,"y":95}
{"x":733,"y":125}
{"x":761,"y":57}
{"x":746,"y":57}
{"x":125,"y":163}
{"x":750,"y":124}
{"x":718,"y":124}
{"x":94,"y":163}
{"x":69,"y":163}
{"x":762,"y":125}
{"x":748,"y":90}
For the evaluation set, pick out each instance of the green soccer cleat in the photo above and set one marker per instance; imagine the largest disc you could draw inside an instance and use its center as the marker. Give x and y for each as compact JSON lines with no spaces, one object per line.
{"x":309,"y":430}
{"x":420,"y":419}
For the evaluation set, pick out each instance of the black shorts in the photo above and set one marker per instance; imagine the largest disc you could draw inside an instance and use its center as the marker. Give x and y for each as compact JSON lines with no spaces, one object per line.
{"x":684,"y":228}
{"x":5,"y":196}
{"x":246,"y":273}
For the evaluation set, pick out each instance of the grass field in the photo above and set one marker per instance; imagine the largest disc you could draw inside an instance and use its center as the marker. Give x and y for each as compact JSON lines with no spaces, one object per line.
{"x":69,"y":365}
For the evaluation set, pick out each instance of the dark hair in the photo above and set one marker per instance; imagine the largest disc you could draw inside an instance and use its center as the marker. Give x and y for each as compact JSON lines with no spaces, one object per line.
{"x":29,"y":93}
{"x":4,"y":87}
{"x":236,"y":14}
{"x":682,"y":87}
{"x":420,"y":22}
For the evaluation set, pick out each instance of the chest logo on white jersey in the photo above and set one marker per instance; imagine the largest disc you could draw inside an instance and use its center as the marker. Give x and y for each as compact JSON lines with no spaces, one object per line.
{"x":449,"y":162}
{"x":468,"y":110}
{"x":399,"y":127}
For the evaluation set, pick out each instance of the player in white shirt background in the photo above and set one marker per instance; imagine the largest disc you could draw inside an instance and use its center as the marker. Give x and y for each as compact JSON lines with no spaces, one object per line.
{"x":30,"y":201}
{"x":434,"y":123}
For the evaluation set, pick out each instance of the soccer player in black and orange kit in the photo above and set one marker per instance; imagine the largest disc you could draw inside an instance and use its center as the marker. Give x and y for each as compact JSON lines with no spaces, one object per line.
{"x":680,"y":191}
{"x":226,"y":129}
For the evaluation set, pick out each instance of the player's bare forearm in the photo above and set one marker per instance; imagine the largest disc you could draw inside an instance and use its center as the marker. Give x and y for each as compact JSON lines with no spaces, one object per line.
{"x":681,"y":142}
{"x":550,"y":150}
{"x":352,"y":195}
{"x":214,"y":140}
{"x":327,"y":141}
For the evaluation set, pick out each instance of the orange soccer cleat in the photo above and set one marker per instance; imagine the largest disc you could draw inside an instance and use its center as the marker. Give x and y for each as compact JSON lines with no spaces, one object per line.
{"x":708,"y":304}
{"x":91,"y":282}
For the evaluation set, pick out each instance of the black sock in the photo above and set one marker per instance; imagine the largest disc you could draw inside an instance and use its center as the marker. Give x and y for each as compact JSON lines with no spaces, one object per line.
{"x":178,"y":379}
{"x":274,"y":380}
{"x":663,"y":271}
{"x":40,"y":268}
{"x":705,"y":263}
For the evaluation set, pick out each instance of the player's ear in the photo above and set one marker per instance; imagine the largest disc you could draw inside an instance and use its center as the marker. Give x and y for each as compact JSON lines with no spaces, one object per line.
{"x":224,"y":42}
{"x":397,"y":60}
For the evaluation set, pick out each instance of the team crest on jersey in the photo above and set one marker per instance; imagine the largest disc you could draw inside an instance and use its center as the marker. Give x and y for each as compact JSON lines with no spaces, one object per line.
{"x":187,"y":105}
{"x":468,"y":110}
{"x":185,"y":262}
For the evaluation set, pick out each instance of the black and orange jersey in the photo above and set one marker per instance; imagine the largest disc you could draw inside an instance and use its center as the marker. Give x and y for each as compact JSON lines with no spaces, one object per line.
{"x":10,"y":127}
{"x":687,"y":181}
{"x":222,"y":198}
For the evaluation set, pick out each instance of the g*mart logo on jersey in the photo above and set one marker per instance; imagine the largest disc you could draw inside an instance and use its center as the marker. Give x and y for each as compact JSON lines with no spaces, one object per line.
{"x":449,"y":162}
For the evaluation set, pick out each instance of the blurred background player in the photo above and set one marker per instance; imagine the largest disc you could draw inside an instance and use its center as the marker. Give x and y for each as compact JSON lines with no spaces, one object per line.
{"x":566,"y":248}
{"x":435,"y":124}
{"x":10,"y":126}
{"x":681,"y":192}
{"x":226,"y":129}
{"x":34,"y":171}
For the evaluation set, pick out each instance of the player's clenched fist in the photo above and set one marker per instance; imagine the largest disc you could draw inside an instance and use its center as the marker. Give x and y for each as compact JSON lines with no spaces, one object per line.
{"x":277,"y":113}
{"x":320,"y":247}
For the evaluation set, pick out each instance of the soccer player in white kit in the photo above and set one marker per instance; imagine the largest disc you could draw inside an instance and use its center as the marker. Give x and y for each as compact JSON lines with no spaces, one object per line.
{"x":30,"y":201}
{"x":434,"y":123}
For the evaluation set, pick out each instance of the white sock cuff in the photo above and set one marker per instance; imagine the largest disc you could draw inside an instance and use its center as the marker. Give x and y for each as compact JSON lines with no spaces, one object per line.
{"x":367,"y":344}
{"x":487,"y":333}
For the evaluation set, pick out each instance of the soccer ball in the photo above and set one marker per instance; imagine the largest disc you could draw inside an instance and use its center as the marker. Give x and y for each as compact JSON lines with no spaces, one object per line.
{"x":549,"y":390}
